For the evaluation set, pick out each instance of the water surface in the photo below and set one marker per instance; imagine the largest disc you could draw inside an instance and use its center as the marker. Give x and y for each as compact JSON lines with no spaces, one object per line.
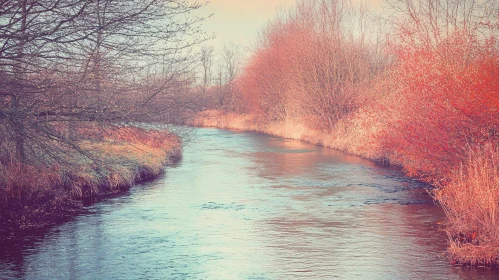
{"x":250,"y":206}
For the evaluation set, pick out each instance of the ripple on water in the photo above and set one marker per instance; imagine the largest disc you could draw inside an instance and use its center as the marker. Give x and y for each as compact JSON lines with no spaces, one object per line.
{"x":250,"y":206}
{"x":232,"y":206}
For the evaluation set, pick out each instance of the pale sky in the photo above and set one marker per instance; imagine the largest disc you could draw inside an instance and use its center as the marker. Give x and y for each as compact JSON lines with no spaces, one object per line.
{"x":239,"y":21}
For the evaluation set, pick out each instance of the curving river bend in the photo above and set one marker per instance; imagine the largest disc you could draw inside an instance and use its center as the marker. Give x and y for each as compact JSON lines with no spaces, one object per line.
{"x":250,"y":206}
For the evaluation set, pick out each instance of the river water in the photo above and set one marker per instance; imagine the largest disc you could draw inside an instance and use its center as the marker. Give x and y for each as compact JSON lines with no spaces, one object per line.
{"x":250,"y":206}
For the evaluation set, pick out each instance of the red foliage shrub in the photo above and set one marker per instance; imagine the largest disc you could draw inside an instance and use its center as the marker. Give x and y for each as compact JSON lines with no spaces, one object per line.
{"x":447,"y":99}
{"x":270,"y":84}
{"x":308,"y":67}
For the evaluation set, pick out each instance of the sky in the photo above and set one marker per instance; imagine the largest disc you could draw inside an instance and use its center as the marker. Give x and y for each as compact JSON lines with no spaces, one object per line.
{"x":239,"y":21}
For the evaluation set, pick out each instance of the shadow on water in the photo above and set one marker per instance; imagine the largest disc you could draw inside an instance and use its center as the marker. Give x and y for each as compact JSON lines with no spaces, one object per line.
{"x":15,"y":246}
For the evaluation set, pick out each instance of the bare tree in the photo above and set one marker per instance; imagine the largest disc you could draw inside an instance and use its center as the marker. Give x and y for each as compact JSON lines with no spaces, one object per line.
{"x":429,"y":22}
{"x":67,"y":65}
{"x":206,"y":59}
{"x":228,"y":69}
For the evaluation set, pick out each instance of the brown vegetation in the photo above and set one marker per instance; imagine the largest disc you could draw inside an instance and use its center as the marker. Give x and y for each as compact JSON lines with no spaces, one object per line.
{"x":425,"y":98}
{"x":32,"y":196}
{"x":471,"y":201}
{"x":75,"y":77}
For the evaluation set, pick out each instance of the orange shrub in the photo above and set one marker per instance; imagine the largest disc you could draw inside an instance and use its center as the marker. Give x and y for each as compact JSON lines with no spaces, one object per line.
{"x":445,"y":100}
{"x":270,"y":85}
{"x":309,"y":67}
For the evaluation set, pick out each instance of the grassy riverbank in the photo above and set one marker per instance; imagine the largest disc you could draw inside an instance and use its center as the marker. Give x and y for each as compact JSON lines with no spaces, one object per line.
{"x":350,"y":136}
{"x":468,"y":195}
{"x":35,"y":196}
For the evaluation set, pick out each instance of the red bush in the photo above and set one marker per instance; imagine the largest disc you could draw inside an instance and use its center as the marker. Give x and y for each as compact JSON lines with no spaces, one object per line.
{"x":308,"y":67}
{"x":270,"y":83}
{"x":447,"y":99}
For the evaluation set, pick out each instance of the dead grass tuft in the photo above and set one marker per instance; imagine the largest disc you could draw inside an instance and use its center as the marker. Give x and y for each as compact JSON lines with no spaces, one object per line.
{"x":470,"y":199}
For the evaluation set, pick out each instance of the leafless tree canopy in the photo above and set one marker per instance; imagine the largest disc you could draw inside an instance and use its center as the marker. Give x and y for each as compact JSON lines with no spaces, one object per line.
{"x":68,"y":67}
{"x":206,"y":56}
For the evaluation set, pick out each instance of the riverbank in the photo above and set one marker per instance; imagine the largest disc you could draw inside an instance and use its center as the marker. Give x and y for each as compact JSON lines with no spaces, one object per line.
{"x":34,"y":196}
{"x":251,"y":200}
{"x":469,"y":196}
{"x":350,"y":135}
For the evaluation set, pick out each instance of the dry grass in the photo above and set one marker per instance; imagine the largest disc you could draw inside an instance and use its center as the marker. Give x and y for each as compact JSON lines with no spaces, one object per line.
{"x":130,"y":154}
{"x":471,"y":202}
{"x":353,"y":135}
{"x":215,"y":118}
{"x":358,"y":135}
{"x":120,"y":158}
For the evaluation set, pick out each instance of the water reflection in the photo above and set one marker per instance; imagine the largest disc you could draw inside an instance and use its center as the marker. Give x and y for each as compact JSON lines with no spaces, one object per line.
{"x":250,"y":206}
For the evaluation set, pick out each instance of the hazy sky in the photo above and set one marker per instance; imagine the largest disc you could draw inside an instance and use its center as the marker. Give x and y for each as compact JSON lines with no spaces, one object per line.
{"x":240,"y":21}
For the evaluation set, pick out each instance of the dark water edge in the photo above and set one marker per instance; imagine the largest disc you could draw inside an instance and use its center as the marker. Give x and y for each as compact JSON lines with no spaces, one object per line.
{"x":17,"y":221}
{"x":14,"y":242}
{"x":248,"y":206}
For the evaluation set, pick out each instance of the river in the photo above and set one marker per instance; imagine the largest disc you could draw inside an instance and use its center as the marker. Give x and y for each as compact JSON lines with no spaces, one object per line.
{"x":244,"y":205}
